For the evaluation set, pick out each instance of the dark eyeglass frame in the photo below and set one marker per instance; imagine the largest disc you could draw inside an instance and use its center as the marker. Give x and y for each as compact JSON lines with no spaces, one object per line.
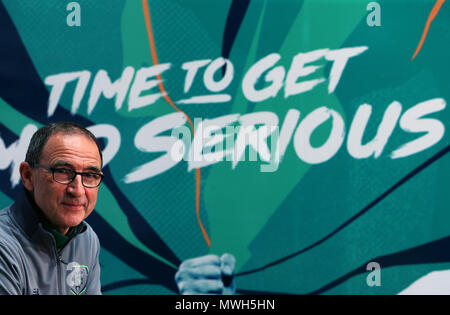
{"x":75,"y":173}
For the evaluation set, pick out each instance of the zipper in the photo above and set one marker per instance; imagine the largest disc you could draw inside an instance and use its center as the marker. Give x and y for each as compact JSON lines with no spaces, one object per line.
{"x":61,"y":280}
{"x":58,"y":272}
{"x":58,"y":256}
{"x":57,"y":261}
{"x":60,"y":269}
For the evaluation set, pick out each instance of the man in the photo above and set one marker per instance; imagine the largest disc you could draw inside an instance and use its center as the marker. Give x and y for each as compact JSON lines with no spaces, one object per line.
{"x":46,"y":247}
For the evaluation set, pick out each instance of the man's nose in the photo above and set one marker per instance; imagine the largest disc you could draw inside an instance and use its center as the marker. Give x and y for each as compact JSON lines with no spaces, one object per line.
{"x":76,"y":186}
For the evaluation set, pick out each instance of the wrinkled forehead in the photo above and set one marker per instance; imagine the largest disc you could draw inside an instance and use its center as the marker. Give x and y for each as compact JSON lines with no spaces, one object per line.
{"x":73,"y":147}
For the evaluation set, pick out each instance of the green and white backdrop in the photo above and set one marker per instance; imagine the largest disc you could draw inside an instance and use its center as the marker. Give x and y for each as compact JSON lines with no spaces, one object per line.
{"x":306,"y":137}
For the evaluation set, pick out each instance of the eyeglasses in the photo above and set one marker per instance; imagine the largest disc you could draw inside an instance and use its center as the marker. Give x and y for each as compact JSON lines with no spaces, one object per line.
{"x":65,"y":176}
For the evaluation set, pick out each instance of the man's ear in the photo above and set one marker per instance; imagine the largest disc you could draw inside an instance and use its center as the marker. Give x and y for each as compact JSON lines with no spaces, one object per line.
{"x":27,"y":175}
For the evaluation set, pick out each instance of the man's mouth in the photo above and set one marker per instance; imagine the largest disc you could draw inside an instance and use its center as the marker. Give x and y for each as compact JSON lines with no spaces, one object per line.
{"x":73,"y":206}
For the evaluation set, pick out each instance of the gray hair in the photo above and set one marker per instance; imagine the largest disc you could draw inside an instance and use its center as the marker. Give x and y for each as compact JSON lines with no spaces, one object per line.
{"x":41,"y":137}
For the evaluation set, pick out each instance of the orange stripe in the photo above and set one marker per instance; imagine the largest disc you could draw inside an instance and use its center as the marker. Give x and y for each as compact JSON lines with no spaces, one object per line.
{"x":151,"y":40}
{"x":437,"y":6}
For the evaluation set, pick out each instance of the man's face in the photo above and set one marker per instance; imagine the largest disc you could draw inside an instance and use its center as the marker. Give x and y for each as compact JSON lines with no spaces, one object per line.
{"x":65,"y":206}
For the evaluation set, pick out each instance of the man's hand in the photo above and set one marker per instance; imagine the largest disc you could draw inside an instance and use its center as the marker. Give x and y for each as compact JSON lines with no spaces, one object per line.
{"x":209,"y":274}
